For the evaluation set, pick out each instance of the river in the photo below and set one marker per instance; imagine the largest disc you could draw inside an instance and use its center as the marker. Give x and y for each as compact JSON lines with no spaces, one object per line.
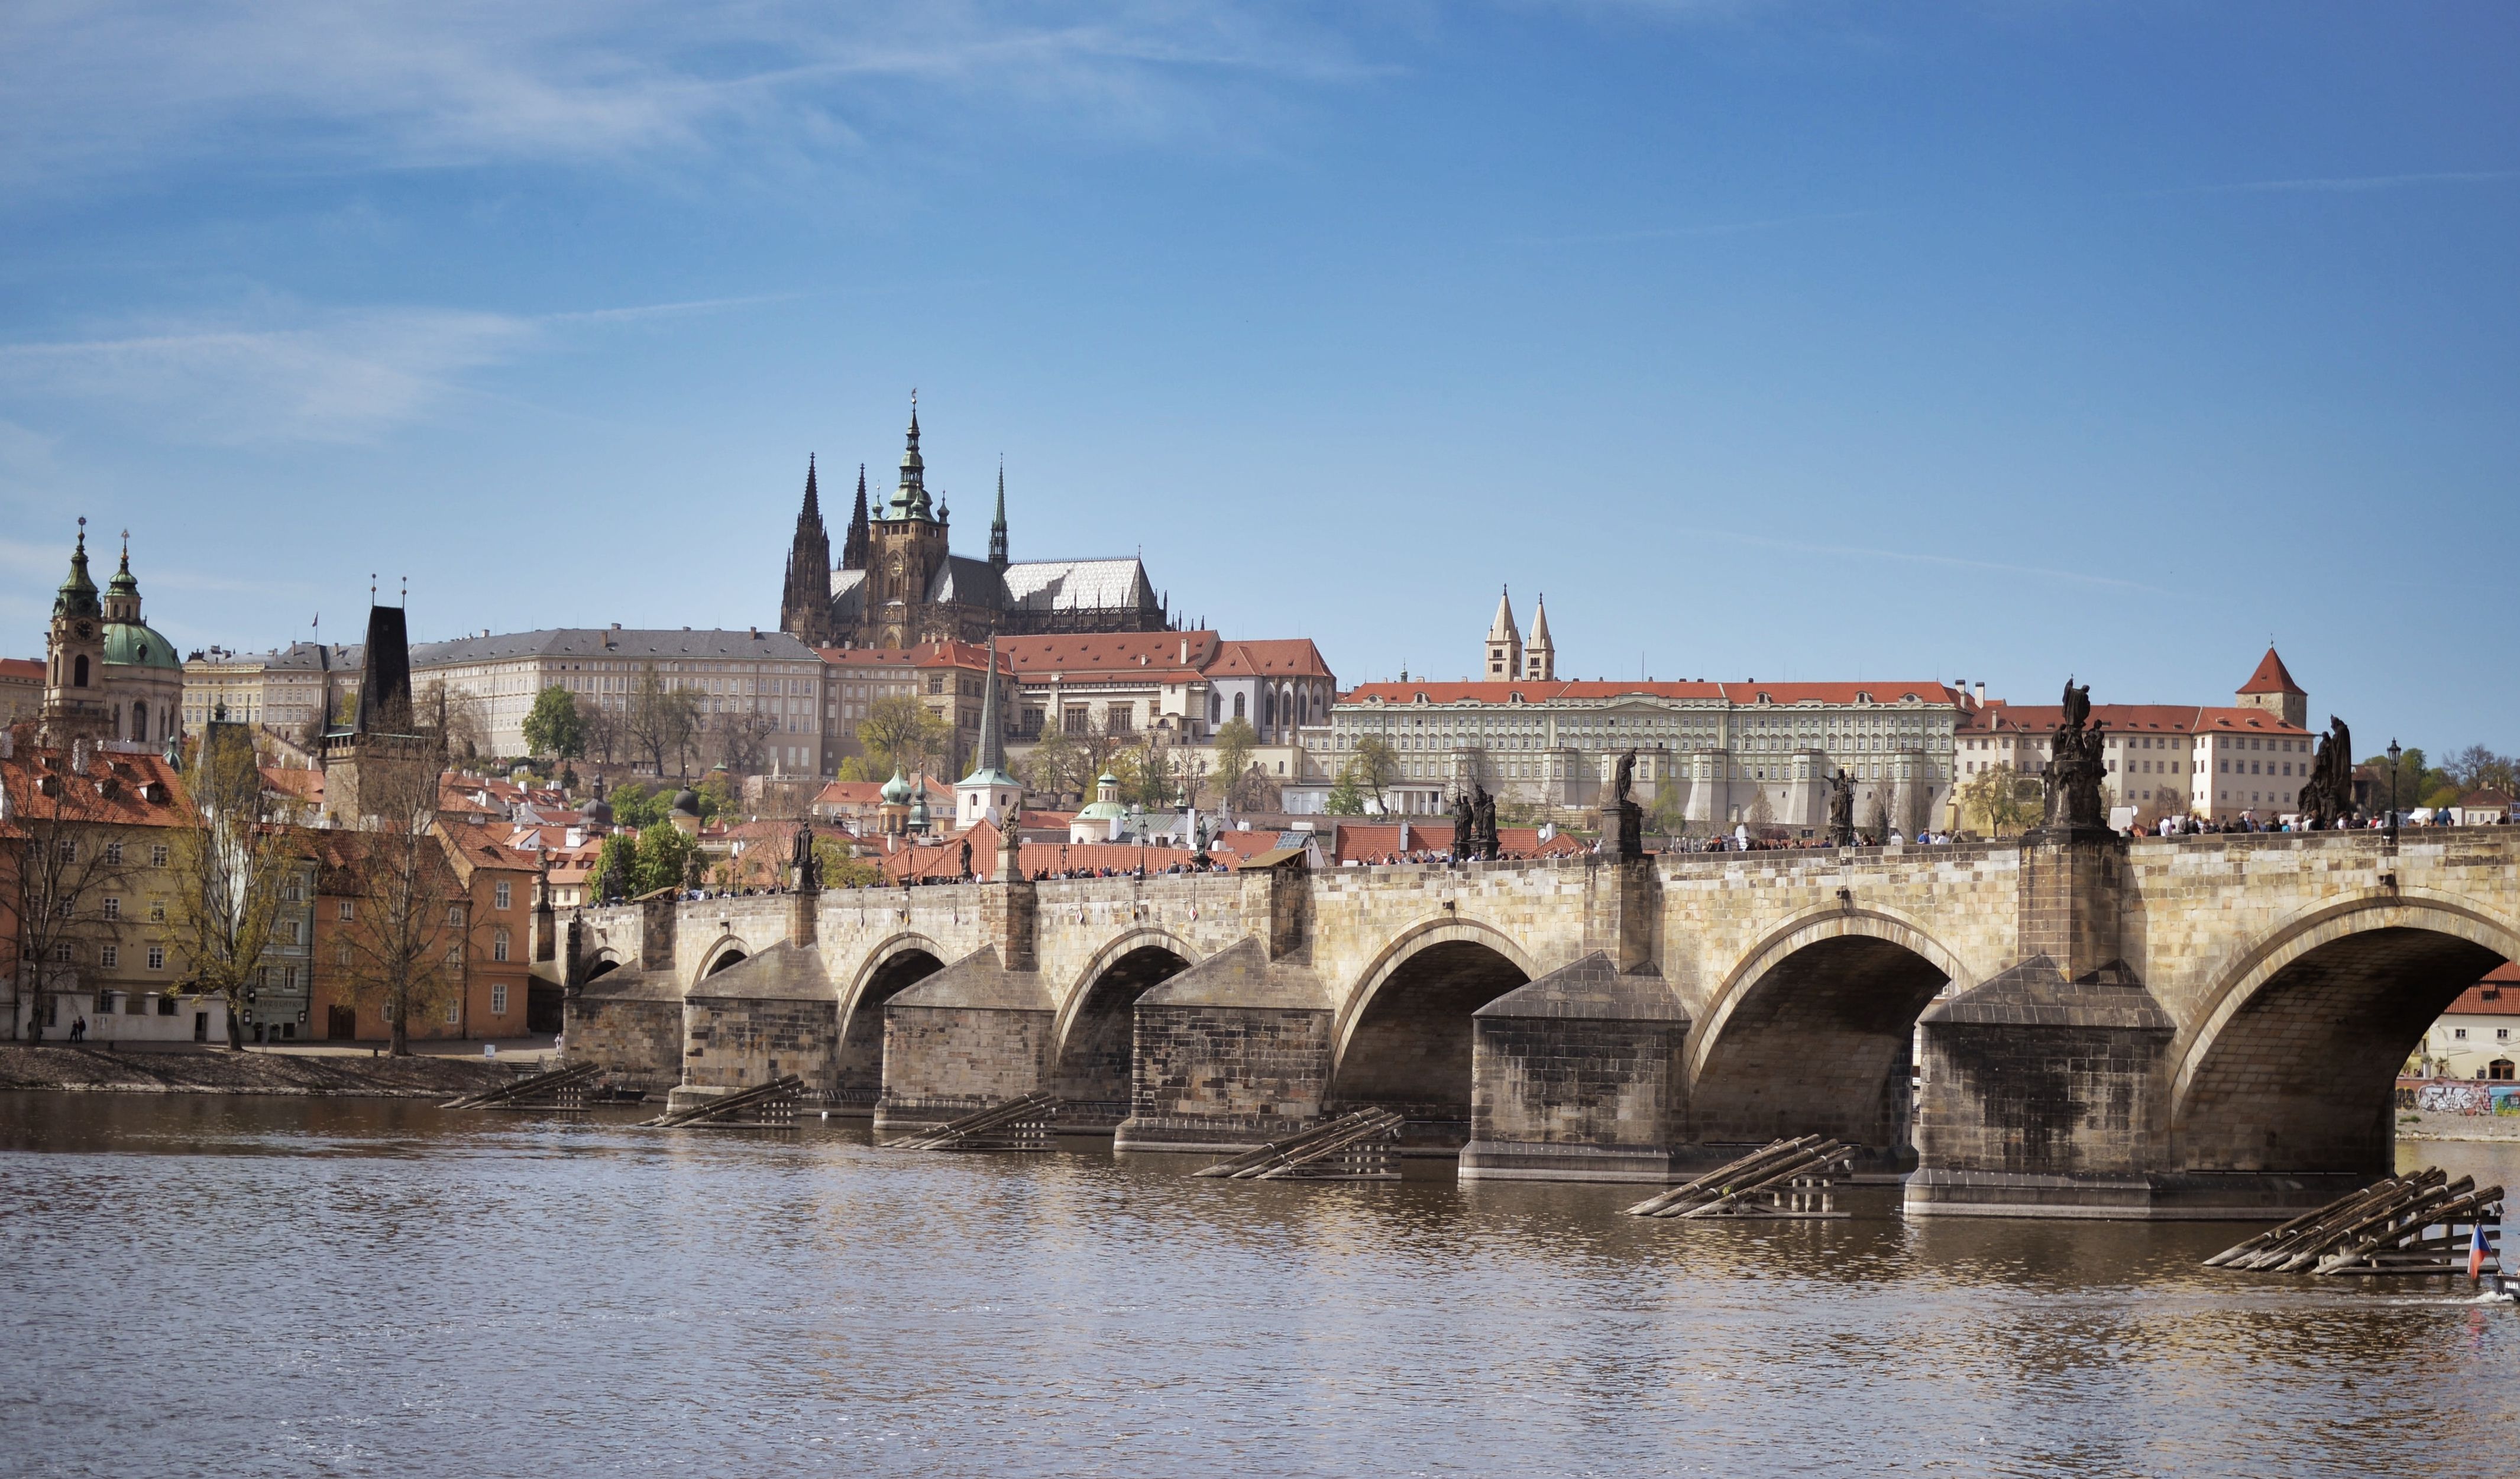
{"x":204,"y":1286}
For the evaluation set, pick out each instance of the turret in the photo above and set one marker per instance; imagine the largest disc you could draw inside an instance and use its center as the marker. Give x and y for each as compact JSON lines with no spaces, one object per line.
{"x":1504,"y":643}
{"x":74,"y":656}
{"x":1540,"y":658}
{"x":805,"y":604}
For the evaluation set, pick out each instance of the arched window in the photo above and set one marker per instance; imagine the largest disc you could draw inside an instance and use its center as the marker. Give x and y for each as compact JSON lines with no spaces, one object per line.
{"x":78,"y":671}
{"x":140,"y":721}
{"x":499,"y":943}
{"x":1238,"y":705}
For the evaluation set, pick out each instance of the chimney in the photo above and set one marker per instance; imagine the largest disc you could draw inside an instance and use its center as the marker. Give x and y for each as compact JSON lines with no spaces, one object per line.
{"x":1981,"y":693}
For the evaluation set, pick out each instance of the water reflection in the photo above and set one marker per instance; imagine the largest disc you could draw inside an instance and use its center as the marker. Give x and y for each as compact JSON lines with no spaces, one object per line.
{"x":229,"y":1285}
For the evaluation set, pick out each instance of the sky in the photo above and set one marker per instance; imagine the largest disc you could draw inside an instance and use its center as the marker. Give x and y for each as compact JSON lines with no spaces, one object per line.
{"x":1787,"y":339}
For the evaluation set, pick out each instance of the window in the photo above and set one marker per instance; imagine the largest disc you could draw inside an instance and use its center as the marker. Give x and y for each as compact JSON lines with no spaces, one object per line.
{"x":113,"y":854}
{"x":499,"y":998}
{"x":455,"y":958}
{"x":499,"y":896}
{"x":112,"y":956}
{"x":2500,"y":1034}
{"x":2461,"y":1033}
{"x":499,"y":943}
{"x":345,"y":911}
{"x":342,"y":953}
{"x":289,"y":891}
{"x":113,"y":907}
{"x":62,"y":951}
{"x":454,"y":1010}
{"x":455,"y":916}
{"x":66,"y":849}
{"x":158,"y":911}
{"x":158,"y":856}
{"x":288,"y":978}
{"x":156,"y":957}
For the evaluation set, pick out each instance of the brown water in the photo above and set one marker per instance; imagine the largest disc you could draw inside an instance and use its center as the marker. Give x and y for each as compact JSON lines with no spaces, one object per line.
{"x":215,"y":1287}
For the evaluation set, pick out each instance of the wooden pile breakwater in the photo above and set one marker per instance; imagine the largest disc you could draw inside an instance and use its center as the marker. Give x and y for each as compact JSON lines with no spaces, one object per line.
{"x":773,"y":1103}
{"x":1018,"y":1124}
{"x":560,"y":1089}
{"x":2424,"y":1223}
{"x":1360,"y":1147}
{"x":1783,"y":1179}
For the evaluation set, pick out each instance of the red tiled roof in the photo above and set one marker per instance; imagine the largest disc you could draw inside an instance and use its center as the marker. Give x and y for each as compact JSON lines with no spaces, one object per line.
{"x":1743,"y":693}
{"x":1285,"y":658}
{"x":2503,"y":982}
{"x":870,"y":792}
{"x":22,"y":670}
{"x":2126,"y":718}
{"x":928,"y":654}
{"x":1137,"y":653}
{"x":2271,"y":677}
{"x":86,"y":798}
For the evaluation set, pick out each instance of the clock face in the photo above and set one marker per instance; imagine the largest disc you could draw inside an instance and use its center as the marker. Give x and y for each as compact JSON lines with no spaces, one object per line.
{"x":85,"y":631}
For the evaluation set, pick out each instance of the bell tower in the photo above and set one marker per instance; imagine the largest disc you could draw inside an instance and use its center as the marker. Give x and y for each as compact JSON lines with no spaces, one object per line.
{"x":909,"y":550}
{"x":74,"y":703}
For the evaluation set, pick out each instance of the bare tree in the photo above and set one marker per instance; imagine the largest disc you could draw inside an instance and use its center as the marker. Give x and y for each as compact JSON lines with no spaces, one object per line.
{"x":2000,"y":799}
{"x":73,"y":818}
{"x":903,"y":734}
{"x":234,"y":857}
{"x":601,"y":726}
{"x":661,"y":721}
{"x":409,"y":909}
{"x":1235,"y":740}
{"x":740,"y":739}
{"x":458,"y":714}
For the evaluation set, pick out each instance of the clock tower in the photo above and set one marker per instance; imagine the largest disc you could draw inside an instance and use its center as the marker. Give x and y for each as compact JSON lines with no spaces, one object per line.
{"x":74,"y":705}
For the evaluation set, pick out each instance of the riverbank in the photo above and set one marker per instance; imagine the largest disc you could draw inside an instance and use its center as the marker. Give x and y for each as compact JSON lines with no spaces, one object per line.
{"x":86,"y":1070}
{"x":2431,"y":1126}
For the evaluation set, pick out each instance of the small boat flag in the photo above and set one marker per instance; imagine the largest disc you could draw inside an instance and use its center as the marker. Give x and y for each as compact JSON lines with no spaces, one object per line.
{"x":2477,"y":1248}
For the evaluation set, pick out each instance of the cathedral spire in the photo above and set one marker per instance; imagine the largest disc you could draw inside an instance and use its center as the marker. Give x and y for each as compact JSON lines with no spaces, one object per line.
{"x":805,"y":602}
{"x":853,"y":545}
{"x":909,"y":498}
{"x":998,"y":525}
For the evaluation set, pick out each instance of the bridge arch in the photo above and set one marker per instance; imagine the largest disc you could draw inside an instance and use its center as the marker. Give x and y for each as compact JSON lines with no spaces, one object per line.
{"x":1403,"y":1036}
{"x":722,"y":951}
{"x":1094,"y":1039}
{"x":895,"y":964}
{"x":601,"y":964}
{"x":1813,"y":1032}
{"x":2293,"y":1057}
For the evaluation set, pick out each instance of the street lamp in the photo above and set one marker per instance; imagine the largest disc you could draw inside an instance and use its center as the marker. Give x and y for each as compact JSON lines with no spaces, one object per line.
{"x":2393,"y":789}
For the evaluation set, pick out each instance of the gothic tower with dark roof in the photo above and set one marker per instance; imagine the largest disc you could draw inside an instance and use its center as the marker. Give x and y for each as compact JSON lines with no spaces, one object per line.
{"x":805,"y":606}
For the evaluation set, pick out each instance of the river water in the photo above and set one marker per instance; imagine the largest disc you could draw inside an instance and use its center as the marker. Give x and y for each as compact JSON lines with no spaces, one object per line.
{"x":217,"y":1286}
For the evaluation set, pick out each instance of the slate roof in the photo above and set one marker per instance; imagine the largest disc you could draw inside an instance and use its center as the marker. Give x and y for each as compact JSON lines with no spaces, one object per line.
{"x":1075,"y":585}
{"x":608,"y":642}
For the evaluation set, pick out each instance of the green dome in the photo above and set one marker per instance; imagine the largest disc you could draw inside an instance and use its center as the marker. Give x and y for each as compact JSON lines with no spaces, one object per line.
{"x":896,"y":790}
{"x":132,"y":644}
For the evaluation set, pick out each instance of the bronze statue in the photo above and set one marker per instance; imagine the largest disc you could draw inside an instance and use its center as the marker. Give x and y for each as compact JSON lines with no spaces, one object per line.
{"x":1841,"y":809}
{"x":805,"y":870}
{"x":2327,"y":798}
{"x":2077,"y":763}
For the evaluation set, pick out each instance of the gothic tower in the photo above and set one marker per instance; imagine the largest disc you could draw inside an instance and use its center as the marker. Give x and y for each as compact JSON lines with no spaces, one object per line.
{"x":1540,"y":658}
{"x":998,"y":525}
{"x":853,"y":547}
{"x":909,"y":550}
{"x":805,"y":606}
{"x":1504,"y":643}
{"x":74,"y":656}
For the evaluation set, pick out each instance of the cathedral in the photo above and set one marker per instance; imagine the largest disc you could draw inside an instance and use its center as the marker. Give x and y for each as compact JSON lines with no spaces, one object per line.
{"x":897,"y":582}
{"x":107,"y":675}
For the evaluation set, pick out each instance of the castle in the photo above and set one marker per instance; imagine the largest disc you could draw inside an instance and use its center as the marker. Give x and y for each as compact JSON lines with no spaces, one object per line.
{"x":898,"y":583}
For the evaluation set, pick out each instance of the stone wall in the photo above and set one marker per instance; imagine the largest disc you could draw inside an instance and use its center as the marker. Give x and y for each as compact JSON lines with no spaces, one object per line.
{"x":740,"y":1043}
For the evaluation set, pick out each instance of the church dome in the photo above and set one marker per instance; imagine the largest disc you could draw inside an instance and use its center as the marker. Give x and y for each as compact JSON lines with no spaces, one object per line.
{"x":598,"y":810}
{"x":896,"y":790}
{"x":687,"y":801}
{"x":134,"y":645}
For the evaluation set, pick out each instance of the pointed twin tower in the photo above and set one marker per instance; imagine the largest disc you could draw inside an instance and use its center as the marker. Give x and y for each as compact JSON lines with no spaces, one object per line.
{"x":1510,"y":659}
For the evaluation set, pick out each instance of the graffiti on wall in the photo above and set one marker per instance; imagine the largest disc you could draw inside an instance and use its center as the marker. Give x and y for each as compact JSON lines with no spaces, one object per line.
{"x":2457,"y":1096}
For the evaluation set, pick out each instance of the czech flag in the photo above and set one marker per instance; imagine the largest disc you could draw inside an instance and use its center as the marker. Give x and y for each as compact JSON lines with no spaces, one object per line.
{"x":2477,"y":1248}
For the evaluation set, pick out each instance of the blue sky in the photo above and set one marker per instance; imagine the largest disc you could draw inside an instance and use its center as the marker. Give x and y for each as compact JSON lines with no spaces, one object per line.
{"x":1999,"y":339}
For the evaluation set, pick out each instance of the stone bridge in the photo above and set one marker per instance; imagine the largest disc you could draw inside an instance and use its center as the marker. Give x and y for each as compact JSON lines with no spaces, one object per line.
{"x":2184,"y":1027}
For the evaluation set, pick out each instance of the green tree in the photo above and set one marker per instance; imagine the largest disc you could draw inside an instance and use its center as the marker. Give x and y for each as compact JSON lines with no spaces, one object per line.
{"x":902,"y":734}
{"x":858,"y":767}
{"x":616,"y":867}
{"x":1999,"y":801}
{"x":1056,"y":763}
{"x":553,"y":727}
{"x":638,"y":807}
{"x":665,"y":856}
{"x":1235,"y":741}
{"x":2416,"y":780}
{"x":1347,"y":797}
{"x":717,"y":793}
{"x":843,"y":868}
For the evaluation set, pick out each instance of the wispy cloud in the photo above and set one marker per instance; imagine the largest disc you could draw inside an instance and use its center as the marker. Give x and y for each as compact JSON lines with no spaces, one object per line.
{"x":275,"y":372}
{"x":106,"y":89}
{"x":1948,"y":561}
{"x":2345,"y":184}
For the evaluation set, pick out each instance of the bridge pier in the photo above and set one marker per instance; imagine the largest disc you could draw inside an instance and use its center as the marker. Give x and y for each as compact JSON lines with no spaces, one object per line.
{"x":1577,"y":1077}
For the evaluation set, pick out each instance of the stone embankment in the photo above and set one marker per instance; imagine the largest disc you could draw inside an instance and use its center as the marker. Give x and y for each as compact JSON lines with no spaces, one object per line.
{"x":88,"y":1069}
{"x":2428,"y":1125}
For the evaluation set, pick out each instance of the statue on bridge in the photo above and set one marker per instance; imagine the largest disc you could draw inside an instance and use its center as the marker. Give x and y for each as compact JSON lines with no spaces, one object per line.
{"x":2327,"y":798}
{"x":804,"y":870}
{"x":1623,"y":820}
{"x":1483,"y":822}
{"x":2076,"y":766}
{"x":1841,"y":809}
{"x":1466,"y":827}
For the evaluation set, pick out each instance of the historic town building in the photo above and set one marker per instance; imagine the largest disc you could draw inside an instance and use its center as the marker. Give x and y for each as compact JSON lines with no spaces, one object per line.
{"x":897,"y":581}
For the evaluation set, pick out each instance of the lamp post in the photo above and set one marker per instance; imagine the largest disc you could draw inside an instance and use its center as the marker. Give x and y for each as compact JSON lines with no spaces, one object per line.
{"x":2393,"y":790}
